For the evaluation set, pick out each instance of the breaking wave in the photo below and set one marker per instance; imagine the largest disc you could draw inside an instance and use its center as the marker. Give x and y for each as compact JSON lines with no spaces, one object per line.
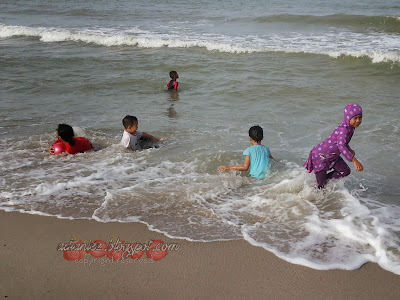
{"x":329,"y":44}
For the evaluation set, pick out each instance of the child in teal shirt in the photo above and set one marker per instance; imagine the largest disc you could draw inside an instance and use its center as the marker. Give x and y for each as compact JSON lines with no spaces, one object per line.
{"x":256,"y":157}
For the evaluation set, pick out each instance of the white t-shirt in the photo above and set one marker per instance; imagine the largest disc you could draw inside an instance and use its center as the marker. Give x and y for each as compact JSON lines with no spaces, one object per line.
{"x":131,"y":140}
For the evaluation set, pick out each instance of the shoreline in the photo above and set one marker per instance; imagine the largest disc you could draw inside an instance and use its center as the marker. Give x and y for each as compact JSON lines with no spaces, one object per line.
{"x":33,"y":268}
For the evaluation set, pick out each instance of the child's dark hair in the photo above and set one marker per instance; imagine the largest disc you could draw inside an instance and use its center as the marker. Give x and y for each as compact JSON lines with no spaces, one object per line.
{"x":172,"y":74}
{"x":256,"y":133}
{"x":66,"y":133}
{"x":129,"y":121}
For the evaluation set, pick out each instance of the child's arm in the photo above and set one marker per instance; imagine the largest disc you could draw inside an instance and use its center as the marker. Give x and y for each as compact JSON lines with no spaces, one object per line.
{"x":243,"y":167}
{"x":342,"y":141}
{"x":357,"y":164}
{"x":149,"y":136}
{"x":350,"y":155}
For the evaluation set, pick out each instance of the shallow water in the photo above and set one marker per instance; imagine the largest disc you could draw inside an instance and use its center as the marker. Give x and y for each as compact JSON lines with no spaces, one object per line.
{"x":288,"y":68}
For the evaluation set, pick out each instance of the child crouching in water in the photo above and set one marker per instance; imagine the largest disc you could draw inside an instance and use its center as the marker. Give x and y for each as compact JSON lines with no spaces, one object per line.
{"x":256,"y":156}
{"x":326,"y":155}
{"x":132,"y":136}
{"x":67,"y":142}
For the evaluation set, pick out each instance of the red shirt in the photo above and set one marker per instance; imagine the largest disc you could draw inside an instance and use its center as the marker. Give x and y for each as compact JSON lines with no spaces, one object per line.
{"x":172,"y":85}
{"x":81,"y":145}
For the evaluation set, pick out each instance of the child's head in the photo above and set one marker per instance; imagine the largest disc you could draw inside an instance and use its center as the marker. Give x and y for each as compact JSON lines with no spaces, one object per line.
{"x":256,"y":133}
{"x":174,"y":75}
{"x":130,"y":123}
{"x":353,"y":115}
{"x":66,"y":133}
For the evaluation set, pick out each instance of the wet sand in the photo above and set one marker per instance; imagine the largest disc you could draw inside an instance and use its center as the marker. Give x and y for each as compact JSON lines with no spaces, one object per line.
{"x":31,"y":267}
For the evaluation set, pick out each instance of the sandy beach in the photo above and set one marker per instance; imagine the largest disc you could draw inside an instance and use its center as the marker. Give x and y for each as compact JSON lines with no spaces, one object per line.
{"x":32,"y":268}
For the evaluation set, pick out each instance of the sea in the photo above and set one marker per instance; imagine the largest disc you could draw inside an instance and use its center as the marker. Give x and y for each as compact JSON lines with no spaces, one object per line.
{"x":288,"y":66}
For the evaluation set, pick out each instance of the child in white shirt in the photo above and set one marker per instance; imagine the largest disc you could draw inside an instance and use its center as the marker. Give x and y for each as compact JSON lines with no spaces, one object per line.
{"x":132,"y":135}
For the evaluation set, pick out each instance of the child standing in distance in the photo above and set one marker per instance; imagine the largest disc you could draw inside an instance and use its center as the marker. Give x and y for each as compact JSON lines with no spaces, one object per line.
{"x":256,"y":156}
{"x":173,"y":84}
{"x":67,"y":142}
{"x":326,"y":155}
{"x":131,"y":136}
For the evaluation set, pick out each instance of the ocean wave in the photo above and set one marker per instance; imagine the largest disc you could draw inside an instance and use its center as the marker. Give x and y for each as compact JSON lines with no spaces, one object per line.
{"x":389,"y":24}
{"x":60,"y":35}
{"x":296,"y":44}
{"x":284,"y":213}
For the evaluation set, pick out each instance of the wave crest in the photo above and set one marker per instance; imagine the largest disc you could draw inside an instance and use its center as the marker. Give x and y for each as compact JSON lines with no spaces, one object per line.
{"x":58,"y":35}
{"x":294,"y":45}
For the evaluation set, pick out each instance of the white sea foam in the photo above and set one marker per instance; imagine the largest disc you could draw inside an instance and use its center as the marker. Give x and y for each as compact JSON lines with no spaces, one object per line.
{"x":352,"y":44}
{"x":57,"y":35}
{"x":325,"y":239}
{"x":283,"y":213}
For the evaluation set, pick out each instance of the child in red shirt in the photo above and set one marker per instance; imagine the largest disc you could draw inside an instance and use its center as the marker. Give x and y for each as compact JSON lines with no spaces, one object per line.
{"x":67,"y":142}
{"x":173,"y":84}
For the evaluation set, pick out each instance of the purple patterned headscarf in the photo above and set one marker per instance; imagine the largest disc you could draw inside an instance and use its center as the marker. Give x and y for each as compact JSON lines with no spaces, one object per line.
{"x":351,"y":110}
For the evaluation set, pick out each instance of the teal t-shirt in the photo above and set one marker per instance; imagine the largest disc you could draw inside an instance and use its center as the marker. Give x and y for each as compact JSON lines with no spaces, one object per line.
{"x":259,"y":160}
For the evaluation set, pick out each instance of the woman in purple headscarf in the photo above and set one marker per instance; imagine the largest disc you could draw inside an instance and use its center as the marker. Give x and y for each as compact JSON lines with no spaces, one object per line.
{"x":326,"y":155}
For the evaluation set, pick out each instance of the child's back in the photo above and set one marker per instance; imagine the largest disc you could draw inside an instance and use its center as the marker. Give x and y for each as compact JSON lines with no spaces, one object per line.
{"x":259,"y":160}
{"x":256,"y":157}
{"x":67,"y":142}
